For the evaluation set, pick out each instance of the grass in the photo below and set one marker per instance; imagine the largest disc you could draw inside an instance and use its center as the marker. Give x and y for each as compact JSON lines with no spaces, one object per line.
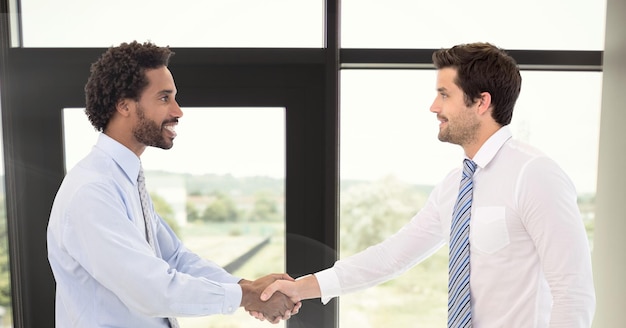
{"x":416,"y":299}
{"x":271,"y":259}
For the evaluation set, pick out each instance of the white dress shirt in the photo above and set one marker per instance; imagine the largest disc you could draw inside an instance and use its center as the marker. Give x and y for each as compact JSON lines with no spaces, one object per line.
{"x":530,"y":257}
{"x":106,"y":273}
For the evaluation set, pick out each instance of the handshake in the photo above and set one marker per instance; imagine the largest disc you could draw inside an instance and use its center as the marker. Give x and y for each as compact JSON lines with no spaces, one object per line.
{"x":276,"y":296}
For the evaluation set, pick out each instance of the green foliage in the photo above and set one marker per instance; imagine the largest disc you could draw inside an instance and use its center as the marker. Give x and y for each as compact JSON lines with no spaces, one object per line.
{"x":222,"y":209}
{"x":370,"y":212}
{"x":5,"y":279}
{"x":206,"y":184}
{"x":265,"y":208}
{"x":193,"y":215}
{"x":165,"y":211}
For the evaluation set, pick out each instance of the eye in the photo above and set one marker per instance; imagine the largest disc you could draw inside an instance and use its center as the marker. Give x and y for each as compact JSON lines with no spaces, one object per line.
{"x":443,"y":95}
{"x":165,"y":98}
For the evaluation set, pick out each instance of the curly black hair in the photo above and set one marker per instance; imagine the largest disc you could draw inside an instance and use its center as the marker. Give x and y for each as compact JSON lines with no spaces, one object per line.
{"x":120,"y":73}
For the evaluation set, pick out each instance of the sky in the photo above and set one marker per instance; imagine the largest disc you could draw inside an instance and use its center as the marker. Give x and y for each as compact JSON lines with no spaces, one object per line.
{"x":364,"y":23}
{"x":386,"y":126}
{"x":386,"y":129}
{"x":238,"y":141}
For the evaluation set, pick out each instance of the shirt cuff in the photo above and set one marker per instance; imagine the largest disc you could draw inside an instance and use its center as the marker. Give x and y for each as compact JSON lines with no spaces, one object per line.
{"x":329,"y":284}
{"x":232,"y":298}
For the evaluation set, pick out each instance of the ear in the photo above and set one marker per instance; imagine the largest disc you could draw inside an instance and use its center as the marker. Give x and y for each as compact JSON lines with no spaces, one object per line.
{"x":484,"y":103}
{"x":123,"y":106}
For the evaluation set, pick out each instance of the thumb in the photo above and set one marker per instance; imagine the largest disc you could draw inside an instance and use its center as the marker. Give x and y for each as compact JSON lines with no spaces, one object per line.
{"x":269,"y":291}
{"x":286,"y":276}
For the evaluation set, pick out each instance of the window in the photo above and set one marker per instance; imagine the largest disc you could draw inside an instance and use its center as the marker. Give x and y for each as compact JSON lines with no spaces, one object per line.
{"x":186,"y":23}
{"x":387,"y":134}
{"x":221,"y":190}
{"x":6,"y":315}
{"x":534,"y":24}
{"x":391,"y":158}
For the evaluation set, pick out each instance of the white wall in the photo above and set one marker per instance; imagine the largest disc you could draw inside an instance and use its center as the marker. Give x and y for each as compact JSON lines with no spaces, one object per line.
{"x":609,"y":259}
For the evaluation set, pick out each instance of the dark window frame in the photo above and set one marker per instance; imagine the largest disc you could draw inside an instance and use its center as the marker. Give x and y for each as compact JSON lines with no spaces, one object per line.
{"x":38,"y":82}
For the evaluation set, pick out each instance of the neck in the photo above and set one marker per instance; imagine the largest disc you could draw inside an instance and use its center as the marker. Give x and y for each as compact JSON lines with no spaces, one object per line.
{"x":127,"y":140}
{"x":482,"y":136}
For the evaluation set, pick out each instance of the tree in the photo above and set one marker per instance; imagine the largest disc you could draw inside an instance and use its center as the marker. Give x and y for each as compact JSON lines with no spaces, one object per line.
{"x":5,"y":280}
{"x":193,"y":215}
{"x":265,"y":208}
{"x":370,"y":212}
{"x":165,"y":211}
{"x":222,"y":209}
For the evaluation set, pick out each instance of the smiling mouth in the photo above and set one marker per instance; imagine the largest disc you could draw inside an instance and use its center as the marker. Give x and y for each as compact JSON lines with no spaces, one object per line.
{"x":171,"y":128}
{"x":442,"y":120}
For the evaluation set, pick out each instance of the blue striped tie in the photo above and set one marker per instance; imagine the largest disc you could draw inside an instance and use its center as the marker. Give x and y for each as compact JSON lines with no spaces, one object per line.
{"x":459,"y":307}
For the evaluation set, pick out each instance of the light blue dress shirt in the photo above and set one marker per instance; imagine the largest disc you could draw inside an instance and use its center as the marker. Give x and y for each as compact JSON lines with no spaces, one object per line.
{"x":106,"y":273}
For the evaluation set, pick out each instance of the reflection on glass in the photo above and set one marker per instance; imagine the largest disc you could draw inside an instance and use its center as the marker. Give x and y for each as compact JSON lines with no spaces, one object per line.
{"x":530,"y":24}
{"x":183,"y":23}
{"x":391,"y":159}
{"x":6,"y":314}
{"x":221,"y":187}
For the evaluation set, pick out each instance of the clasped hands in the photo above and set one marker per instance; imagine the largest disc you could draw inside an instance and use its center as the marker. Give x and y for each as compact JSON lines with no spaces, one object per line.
{"x":273,"y":308}
{"x":305,"y":288}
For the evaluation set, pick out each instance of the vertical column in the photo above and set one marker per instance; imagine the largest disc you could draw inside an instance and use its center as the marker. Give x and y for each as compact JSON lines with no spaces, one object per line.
{"x":609,"y":242}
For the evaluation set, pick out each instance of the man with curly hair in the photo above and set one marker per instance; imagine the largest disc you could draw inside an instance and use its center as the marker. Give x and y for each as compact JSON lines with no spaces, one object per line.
{"x":116,"y":262}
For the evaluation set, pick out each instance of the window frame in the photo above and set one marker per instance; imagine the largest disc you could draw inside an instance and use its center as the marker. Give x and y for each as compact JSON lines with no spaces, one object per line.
{"x":301,"y":80}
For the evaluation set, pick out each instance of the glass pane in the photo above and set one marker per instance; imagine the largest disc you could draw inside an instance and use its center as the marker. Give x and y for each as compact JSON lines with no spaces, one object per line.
{"x":391,"y":159}
{"x":532,"y":24}
{"x":6,"y":313}
{"x":223,"y":186}
{"x":183,"y":23}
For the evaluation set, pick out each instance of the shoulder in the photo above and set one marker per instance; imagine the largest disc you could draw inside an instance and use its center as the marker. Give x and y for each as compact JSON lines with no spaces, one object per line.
{"x":95,"y":176}
{"x":526,"y":157}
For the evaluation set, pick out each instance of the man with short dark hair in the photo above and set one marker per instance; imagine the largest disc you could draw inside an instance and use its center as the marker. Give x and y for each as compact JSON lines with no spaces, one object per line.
{"x":528,"y":260}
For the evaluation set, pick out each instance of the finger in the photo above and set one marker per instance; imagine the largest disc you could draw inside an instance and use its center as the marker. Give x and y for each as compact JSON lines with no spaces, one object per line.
{"x":269,"y":291}
{"x":296,"y":308}
{"x":282,"y":276}
{"x":257,"y":315}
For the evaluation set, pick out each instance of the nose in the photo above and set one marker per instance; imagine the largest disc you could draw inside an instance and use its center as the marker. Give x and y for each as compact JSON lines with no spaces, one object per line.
{"x":176,"y":110}
{"x":435,"y":107}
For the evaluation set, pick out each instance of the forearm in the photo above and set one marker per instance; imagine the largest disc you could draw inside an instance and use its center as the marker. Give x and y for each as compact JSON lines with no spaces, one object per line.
{"x":574,"y":301}
{"x":307,"y":287}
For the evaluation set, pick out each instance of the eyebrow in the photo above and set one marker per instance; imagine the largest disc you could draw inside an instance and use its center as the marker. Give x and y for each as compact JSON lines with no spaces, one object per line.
{"x":165,"y":92}
{"x":441,"y":89}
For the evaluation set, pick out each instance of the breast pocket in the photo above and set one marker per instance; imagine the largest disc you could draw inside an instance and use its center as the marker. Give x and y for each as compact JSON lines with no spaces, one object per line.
{"x":489,"y":232}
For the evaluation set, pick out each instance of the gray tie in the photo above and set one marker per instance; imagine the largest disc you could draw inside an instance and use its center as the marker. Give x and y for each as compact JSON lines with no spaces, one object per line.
{"x":145,"y":206}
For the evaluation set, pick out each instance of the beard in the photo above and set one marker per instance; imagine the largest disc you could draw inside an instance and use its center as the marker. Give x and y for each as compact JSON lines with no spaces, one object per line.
{"x":461,"y":132}
{"x":150,"y":133}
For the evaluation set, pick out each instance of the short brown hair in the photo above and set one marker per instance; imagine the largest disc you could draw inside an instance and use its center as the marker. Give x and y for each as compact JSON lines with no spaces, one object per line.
{"x":120,"y":73}
{"x":483,"y":67}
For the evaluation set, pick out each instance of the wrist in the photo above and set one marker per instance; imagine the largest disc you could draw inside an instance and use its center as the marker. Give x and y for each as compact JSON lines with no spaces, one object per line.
{"x":246,"y":291}
{"x":307,"y":287}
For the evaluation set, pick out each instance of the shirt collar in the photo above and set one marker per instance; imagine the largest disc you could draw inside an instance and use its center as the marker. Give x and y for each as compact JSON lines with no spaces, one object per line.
{"x":490,"y":148}
{"x":124,"y":157}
